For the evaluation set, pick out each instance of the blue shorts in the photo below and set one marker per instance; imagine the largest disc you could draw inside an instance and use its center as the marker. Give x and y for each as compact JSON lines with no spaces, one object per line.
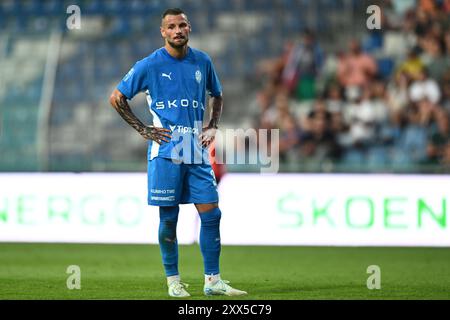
{"x":170,"y":184}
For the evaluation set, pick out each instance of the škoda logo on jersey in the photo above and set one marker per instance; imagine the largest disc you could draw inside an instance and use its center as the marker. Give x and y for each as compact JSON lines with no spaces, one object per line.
{"x":183,"y":103}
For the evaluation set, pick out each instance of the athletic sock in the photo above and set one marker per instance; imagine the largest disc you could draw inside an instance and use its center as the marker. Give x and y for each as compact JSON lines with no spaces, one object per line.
{"x":212,"y":278}
{"x":171,"y":279}
{"x":168,"y":244}
{"x":210,"y":240}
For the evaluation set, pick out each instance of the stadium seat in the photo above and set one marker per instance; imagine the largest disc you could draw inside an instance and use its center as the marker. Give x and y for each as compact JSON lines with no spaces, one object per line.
{"x":10,"y":7}
{"x":385,"y":67}
{"x":327,"y":5}
{"x":373,"y":42}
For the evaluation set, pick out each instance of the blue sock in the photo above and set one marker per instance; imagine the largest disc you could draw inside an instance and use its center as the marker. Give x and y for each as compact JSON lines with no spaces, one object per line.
{"x":210,"y":240}
{"x":168,"y":244}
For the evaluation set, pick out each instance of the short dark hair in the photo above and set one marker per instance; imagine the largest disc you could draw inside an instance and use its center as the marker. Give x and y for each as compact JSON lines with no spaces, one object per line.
{"x":172,"y":12}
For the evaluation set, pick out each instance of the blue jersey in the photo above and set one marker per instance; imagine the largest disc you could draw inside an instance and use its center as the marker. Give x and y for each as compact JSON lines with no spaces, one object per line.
{"x":176,"y":94}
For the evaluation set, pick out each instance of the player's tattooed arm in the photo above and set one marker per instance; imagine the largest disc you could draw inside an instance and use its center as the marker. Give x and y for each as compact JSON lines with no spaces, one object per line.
{"x":119,"y":102}
{"x":209,"y":132}
{"x":216,"y":104}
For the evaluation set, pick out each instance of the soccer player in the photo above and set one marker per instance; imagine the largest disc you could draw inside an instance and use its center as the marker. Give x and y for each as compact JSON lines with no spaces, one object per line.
{"x":175,"y":79}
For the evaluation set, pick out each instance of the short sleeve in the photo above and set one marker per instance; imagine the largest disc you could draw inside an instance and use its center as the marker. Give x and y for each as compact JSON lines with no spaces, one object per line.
{"x":213,"y":84}
{"x":135,"y":80}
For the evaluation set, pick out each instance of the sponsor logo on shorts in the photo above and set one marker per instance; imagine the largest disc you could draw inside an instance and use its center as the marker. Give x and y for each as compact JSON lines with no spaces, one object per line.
{"x":163,"y":191}
{"x":161,"y":194}
{"x":170,"y":198}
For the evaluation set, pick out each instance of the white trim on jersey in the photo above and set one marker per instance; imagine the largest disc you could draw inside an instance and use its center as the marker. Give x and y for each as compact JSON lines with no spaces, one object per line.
{"x":157,"y":123}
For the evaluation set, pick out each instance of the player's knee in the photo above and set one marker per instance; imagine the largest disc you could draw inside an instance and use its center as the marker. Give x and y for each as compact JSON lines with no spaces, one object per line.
{"x":211,"y":216}
{"x":205,"y":207}
{"x":169,"y":214}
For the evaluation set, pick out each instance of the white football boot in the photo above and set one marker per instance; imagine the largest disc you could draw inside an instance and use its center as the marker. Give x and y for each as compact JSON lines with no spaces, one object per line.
{"x":177,"y":289}
{"x":221,"y":287}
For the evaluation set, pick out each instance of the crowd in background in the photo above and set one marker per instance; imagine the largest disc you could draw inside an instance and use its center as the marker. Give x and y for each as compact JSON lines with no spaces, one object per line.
{"x":383,"y":102}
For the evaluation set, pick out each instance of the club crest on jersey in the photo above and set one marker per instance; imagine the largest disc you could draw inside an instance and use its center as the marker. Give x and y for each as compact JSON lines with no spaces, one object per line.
{"x":198,"y":76}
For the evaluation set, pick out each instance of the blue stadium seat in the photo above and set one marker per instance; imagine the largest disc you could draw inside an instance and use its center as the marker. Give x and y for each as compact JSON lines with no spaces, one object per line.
{"x":53,"y":7}
{"x":67,"y":71}
{"x":156,"y":7}
{"x":377,"y":157}
{"x":61,"y":114}
{"x":289,"y":5}
{"x":114,"y":7}
{"x":93,"y":7}
{"x":216,"y":6}
{"x":133,"y":7}
{"x":292,"y":24}
{"x":10,"y":8}
{"x":385,"y":67}
{"x":373,"y":41}
{"x":16,"y":24}
{"x":32,"y":7}
{"x":354,"y":158}
{"x":326,"y":5}
{"x":262,"y":5}
{"x":120,"y":26}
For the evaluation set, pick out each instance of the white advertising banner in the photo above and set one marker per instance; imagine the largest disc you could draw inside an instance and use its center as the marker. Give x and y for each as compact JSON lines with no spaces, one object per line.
{"x":94,"y":208}
{"x":338,"y":210}
{"x":279,"y":209}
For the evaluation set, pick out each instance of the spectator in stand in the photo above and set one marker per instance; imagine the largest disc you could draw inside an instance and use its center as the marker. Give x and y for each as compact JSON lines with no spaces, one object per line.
{"x":318,"y":143}
{"x":412,"y":66}
{"x":273,"y":115}
{"x":423,"y":87}
{"x":289,"y":139}
{"x":423,"y":22}
{"x":436,"y":61}
{"x":356,"y":68}
{"x":378,"y":100}
{"x":446,"y":6}
{"x":302,"y":67}
{"x":341,"y":130}
{"x":410,"y":147}
{"x":334,"y":99}
{"x":447,"y":41}
{"x":445,"y":160}
{"x":401,"y":7}
{"x":320,"y":109}
{"x":439,"y":137}
{"x":397,"y":93}
{"x":361,"y":118}
{"x":446,"y":91}
{"x":260,"y":107}
{"x":429,"y":7}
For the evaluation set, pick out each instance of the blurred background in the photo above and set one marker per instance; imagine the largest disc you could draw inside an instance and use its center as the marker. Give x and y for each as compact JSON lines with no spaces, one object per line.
{"x":345,"y":98}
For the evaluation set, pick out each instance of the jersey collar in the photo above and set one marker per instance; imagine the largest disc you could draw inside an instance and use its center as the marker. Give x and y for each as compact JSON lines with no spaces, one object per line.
{"x":173,"y":58}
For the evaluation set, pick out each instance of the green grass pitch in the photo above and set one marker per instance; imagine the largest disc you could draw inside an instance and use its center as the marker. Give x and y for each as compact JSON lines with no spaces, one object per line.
{"x":38,"y":271}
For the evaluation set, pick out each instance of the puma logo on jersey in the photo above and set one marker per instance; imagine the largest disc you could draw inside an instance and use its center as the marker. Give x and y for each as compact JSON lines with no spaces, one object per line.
{"x":166,"y":75}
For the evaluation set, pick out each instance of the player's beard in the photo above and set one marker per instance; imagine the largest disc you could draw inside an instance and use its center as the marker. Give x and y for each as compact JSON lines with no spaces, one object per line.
{"x":178,"y":45}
